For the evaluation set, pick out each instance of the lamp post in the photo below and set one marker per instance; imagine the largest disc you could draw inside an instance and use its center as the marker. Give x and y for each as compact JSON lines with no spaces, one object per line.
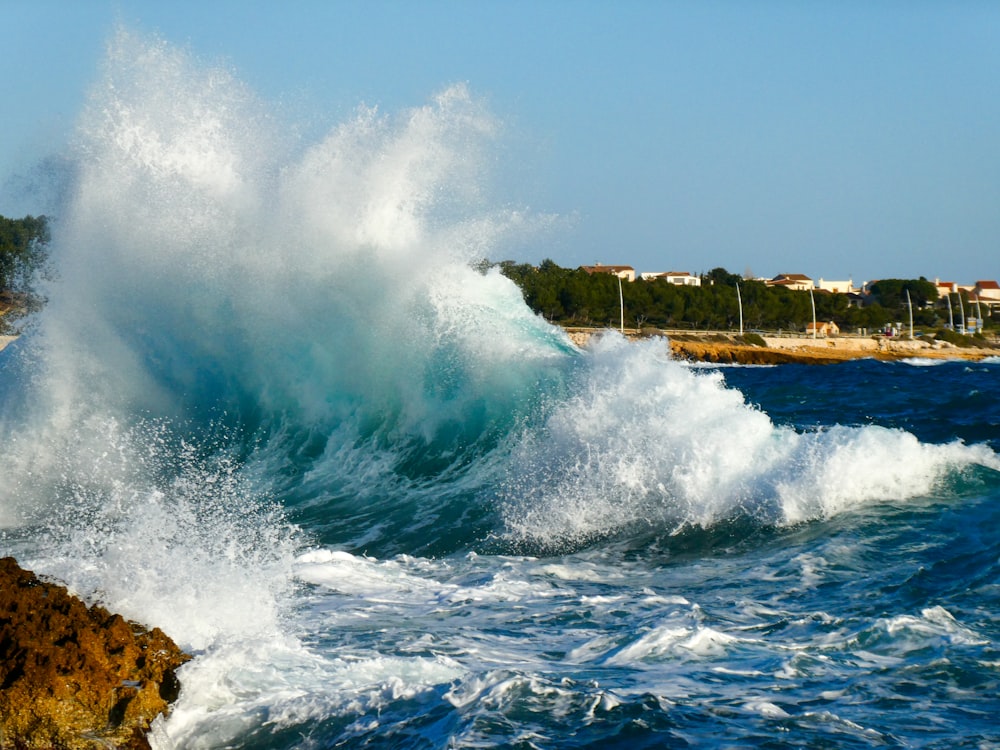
{"x":621,"y":304}
{"x":910,"y":303}
{"x":812,"y":301}
{"x":739,"y":301}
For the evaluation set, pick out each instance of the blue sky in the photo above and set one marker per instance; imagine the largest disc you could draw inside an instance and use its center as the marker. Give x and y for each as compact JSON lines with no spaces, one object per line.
{"x":832,"y":138}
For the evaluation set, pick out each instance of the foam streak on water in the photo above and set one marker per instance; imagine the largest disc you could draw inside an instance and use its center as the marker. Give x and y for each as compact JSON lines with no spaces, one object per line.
{"x":273,"y":407}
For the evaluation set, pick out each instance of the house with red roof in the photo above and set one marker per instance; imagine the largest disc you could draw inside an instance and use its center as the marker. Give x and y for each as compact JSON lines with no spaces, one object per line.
{"x":987,"y":290}
{"x":823,"y":329}
{"x":944,"y":288}
{"x":797,"y":281}
{"x":987,"y":293}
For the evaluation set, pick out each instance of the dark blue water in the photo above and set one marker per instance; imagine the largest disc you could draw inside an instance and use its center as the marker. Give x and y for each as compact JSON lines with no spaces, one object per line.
{"x":272,"y":408}
{"x":805,"y":396}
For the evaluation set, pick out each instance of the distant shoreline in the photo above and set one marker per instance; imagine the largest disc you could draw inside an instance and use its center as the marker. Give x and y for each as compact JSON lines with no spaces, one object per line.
{"x":728,"y":348}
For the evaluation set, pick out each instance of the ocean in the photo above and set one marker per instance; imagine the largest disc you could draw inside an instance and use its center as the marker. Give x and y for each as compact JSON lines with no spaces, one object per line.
{"x":275,"y":407}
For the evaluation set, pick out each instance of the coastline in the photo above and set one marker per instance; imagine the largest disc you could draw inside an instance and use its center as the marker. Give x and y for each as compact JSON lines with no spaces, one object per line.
{"x":726,"y":348}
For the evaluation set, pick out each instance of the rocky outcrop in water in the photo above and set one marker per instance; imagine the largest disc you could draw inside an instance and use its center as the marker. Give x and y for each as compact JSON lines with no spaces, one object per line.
{"x":72,"y":676}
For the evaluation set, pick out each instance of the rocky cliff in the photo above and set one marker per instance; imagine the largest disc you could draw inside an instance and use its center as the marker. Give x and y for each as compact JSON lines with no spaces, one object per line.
{"x":72,"y":676}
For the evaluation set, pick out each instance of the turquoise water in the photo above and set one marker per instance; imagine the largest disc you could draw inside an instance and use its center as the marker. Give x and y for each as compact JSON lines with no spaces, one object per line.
{"x":272,"y":408}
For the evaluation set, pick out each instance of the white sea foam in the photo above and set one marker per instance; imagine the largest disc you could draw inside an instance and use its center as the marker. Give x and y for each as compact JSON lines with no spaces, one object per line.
{"x":933,"y":624}
{"x":365,"y":576}
{"x":163,"y":536}
{"x":638,"y":442}
{"x":646,"y":443}
{"x":766,"y":708}
{"x":671,"y":641}
{"x":276,"y":683}
{"x":923,"y":362}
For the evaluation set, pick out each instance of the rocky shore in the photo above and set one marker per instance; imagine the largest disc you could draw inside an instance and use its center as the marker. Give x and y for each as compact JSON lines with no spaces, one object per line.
{"x":74,"y":677}
{"x":725,"y":348}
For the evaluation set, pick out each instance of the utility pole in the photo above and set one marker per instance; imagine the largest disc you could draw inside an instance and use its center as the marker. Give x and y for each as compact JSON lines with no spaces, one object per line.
{"x":910,"y":303}
{"x":739,"y":301}
{"x":621,"y":303}
{"x":812,"y":301}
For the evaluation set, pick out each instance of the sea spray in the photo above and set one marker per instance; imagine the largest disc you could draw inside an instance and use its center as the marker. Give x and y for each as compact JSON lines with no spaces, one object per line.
{"x":236,"y":319}
{"x":645,"y":443}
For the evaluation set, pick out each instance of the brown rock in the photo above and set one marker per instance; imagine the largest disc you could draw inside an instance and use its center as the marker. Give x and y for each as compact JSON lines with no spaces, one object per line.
{"x":76,"y":677}
{"x":729,"y":353}
{"x":724,"y":348}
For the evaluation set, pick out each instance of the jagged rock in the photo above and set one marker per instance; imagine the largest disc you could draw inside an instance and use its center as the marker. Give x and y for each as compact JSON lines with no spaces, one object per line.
{"x":73,"y":677}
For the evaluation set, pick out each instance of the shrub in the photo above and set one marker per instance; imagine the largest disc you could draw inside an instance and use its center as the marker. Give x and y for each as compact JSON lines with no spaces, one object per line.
{"x":952,"y":337}
{"x":754,"y":339}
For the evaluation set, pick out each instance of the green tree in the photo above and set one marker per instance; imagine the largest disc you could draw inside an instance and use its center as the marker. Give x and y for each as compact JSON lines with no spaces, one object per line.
{"x":723,"y":277}
{"x":891,"y":293}
{"x":22,"y":243}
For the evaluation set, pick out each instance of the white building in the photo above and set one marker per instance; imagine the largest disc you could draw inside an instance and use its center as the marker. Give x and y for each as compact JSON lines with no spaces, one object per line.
{"x":678,"y":278}
{"x":837,"y":287}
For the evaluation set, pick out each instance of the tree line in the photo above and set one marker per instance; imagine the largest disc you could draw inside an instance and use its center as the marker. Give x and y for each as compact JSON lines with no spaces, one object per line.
{"x":22,"y":254}
{"x":574,"y":297}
